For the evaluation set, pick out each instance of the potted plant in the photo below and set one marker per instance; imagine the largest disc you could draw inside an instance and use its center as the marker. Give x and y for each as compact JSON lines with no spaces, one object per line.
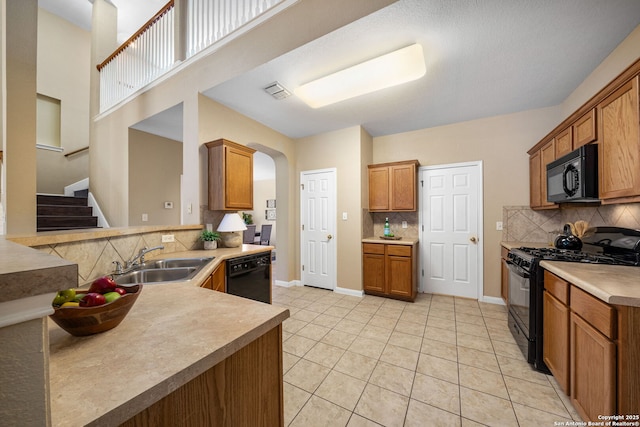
{"x":247,"y":218}
{"x":210,"y":239}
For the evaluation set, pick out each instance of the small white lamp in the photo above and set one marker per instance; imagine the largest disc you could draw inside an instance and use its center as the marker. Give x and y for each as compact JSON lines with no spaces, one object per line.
{"x":228,"y":228}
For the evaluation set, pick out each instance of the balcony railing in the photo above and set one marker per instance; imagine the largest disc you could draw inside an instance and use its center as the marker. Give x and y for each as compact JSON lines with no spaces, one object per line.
{"x":150,"y":52}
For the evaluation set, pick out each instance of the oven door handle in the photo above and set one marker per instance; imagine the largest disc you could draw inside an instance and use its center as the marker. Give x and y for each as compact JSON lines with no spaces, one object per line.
{"x":517,"y":269}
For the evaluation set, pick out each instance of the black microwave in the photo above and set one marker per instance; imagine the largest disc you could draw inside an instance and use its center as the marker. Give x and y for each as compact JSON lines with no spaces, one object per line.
{"x":574,"y":176}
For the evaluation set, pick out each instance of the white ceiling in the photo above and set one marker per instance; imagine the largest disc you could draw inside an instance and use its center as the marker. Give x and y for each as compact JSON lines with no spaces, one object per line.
{"x":484,"y":58}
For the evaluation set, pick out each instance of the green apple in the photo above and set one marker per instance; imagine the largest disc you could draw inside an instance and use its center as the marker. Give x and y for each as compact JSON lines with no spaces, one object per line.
{"x":64,"y":296}
{"x":111,"y":296}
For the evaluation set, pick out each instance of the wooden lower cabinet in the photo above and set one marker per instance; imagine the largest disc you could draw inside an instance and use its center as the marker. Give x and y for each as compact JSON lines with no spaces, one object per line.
{"x":504,"y":275}
{"x":556,"y":339}
{"x":592,"y":349}
{"x":218,"y":279}
{"x":245,"y":389}
{"x":593,"y":371}
{"x":389,"y":270}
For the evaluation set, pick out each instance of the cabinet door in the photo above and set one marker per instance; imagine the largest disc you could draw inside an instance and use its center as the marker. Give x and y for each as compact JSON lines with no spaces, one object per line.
{"x":563,"y":143}
{"x":535,"y":192}
{"x":399,"y":270}
{"x":373,"y":278}
{"x":555,"y":351}
{"x":403,"y":187}
{"x":547,"y":155}
{"x":619,"y":140}
{"x":219,"y":278}
{"x":593,"y":371}
{"x":238,"y":179}
{"x":504,"y":279}
{"x":379,"y":189}
{"x":207,"y":284}
{"x":584,"y":130}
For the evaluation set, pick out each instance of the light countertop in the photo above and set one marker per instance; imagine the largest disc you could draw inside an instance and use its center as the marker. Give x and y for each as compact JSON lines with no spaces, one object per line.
{"x":173,"y":333}
{"x":402,"y":241}
{"x":613,"y":284}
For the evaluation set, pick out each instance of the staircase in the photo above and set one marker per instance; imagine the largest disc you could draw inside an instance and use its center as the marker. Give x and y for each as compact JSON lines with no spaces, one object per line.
{"x":64,"y":212}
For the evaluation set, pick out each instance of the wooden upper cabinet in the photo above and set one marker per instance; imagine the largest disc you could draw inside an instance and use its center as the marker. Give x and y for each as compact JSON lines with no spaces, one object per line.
{"x":392,"y":186}
{"x":563,"y":143}
{"x":535,"y":180}
{"x":584,"y":130}
{"x":619,"y":144}
{"x":230,"y":175}
{"x":538,"y":162}
{"x":378,"y":188}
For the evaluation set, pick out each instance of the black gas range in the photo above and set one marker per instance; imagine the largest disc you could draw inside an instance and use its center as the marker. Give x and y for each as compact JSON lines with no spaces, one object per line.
{"x":603,"y":245}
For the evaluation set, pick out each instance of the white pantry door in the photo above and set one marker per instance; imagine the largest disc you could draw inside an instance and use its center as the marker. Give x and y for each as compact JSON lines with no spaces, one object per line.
{"x":318,"y":223}
{"x":452,"y":224}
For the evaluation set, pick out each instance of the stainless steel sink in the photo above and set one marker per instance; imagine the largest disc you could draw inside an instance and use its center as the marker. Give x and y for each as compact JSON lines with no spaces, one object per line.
{"x":177,"y":263}
{"x":163,"y":271}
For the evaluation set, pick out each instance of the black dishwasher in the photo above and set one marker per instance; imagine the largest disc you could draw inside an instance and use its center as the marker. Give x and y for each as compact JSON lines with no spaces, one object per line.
{"x":250,"y":277}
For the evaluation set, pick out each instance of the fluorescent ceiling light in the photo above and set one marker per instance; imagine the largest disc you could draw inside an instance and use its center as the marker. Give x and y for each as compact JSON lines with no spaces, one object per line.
{"x":401,"y":66}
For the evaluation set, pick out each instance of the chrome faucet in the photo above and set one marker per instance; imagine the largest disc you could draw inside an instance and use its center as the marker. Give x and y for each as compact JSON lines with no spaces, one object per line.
{"x":139,"y":259}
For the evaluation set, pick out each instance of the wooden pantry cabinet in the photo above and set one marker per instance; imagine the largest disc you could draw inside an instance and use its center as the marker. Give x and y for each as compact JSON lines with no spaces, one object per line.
{"x":393,"y":186}
{"x":230,"y":176}
{"x":390,"y":270}
{"x":592,"y":349}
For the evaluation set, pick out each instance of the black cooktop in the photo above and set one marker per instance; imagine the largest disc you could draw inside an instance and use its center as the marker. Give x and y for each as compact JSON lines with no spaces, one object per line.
{"x":553,"y":254}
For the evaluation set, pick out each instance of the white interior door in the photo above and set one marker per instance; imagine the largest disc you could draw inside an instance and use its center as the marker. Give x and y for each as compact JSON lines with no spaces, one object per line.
{"x":451,"y":229}
{"x":318,"y":218}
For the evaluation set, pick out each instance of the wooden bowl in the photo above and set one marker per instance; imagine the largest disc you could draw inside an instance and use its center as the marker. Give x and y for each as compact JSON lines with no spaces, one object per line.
{"x":83,"y":321}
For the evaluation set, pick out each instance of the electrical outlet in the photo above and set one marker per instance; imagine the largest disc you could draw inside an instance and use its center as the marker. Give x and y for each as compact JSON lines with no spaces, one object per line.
{"x":145,"y":217}
{"x":168,"y":205}
{"x":499,"y":225}
{"x":168,"y":238}
{"x":404,"y":224}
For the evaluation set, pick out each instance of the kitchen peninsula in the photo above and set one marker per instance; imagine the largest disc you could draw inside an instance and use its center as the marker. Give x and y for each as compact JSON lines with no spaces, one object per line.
{"x":184,"y":354}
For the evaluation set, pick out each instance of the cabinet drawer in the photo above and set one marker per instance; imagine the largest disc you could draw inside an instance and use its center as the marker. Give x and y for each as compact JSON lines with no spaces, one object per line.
{"x":599,"y":314}
{"x":557,"y":287}
{"x":399,"y":250}
{"x":373,"y":248}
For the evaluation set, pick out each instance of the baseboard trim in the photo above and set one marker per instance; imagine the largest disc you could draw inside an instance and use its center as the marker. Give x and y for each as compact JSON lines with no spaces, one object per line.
{"x":346,"y":291}
{"x":492,"y":300}
{"x":287,"y":284}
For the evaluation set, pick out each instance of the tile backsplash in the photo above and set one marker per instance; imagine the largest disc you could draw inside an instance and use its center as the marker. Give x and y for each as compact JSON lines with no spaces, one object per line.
{"x":95,"y":256}
{"x":522,"y":224}
{"x":373,"y":223}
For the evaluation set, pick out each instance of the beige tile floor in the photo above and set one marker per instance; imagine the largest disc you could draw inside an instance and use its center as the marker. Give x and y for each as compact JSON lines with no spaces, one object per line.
{"x":441,"y":361}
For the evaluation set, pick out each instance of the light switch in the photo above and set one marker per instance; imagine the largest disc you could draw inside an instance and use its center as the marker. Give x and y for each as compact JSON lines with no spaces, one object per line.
{"x":404,"y":224}
{"x":145,"y":217}
{"x":168,"y":205}
{"x":499,"y":225}
{"x":344,"y":216}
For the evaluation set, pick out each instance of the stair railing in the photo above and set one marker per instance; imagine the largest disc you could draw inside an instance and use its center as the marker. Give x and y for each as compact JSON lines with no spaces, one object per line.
{"x":150,"y":52}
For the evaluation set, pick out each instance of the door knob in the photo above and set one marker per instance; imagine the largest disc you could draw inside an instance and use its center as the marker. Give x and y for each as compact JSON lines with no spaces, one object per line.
{"x":329,"y":237}
{"x":473,"y":239}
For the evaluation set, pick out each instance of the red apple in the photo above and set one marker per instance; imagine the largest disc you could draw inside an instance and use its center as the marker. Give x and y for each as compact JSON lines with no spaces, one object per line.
{"x":92,"y":299}
{"x":121,"y":291}
{"x":102,"y":285}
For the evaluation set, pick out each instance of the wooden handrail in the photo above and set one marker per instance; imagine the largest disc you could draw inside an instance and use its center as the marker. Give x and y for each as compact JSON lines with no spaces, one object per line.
{"x":137,"y":34}
{"x":76,"y":151}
